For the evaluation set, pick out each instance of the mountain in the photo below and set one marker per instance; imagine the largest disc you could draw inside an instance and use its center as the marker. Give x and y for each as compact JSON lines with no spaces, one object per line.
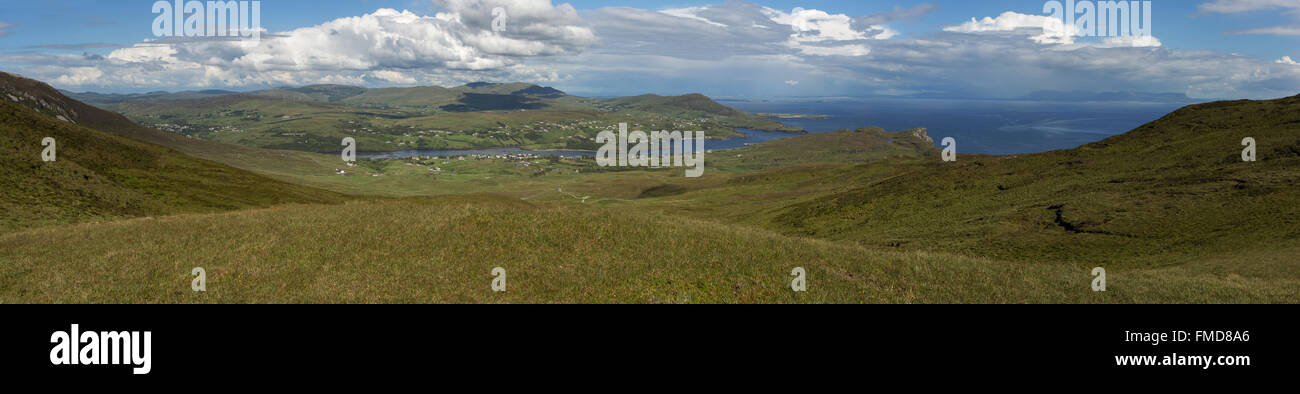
{"x":329,"y":93}
{"x":478,"y":96}
{"x":415,"y":97}
{"x":516,"y":88}
{"x":673,"y":104}
{"x":540,"y":91}
{"x":109,"y":99}
{"x":98,"y":175}
{"x":1052,"y":95}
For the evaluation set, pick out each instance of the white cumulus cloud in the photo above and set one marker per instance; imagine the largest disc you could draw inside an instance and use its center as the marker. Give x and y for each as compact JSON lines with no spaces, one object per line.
{"x":1050,"y":30}
{"x":386,"y":46}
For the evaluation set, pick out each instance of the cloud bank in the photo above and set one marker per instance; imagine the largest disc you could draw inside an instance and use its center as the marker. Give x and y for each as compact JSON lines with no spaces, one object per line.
{"x":1287,"y":7}
{"x":734,"y":48}
{"x":386,"y":46}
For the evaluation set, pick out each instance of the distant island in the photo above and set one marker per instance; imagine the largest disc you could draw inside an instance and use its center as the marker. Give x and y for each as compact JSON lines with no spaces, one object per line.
{"x":791,"y":116}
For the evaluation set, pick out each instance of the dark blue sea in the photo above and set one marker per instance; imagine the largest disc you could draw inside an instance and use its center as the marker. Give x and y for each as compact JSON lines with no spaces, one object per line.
{"x":979,"y":126}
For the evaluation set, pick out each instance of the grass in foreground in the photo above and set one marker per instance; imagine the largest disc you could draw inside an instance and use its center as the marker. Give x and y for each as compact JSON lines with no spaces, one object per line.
{"x":443,"y":250}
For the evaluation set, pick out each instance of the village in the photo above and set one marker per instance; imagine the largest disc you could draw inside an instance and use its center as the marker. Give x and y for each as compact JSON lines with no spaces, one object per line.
{"x":472,"y":165}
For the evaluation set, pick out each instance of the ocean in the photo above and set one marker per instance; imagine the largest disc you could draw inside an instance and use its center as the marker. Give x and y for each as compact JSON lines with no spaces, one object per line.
{"x":997,"y":127}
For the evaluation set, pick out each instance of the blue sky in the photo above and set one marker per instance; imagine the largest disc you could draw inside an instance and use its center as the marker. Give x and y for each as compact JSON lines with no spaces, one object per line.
{"x":670,"y":47}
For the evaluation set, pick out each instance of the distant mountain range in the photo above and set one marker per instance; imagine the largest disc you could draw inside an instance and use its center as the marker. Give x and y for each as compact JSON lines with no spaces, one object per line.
{"x":323,"y":93}
{"x":1052,"y":95}
{"x":1074,"y":96}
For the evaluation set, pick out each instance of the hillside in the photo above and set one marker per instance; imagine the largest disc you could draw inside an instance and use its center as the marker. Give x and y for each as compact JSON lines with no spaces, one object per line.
{"x":328,"y":93}
{"x":673,"y":104}
{"x":431,"y":96}
{"x":514,"y":89}
{"x":99,"y":176}
{"x":284,"y":165}
{"x":108,"y":99}
{"x":1167,"y":193}
{"x":865,"y":145}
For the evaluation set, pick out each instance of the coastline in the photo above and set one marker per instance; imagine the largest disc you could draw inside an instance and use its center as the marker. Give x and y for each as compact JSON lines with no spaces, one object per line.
{"x":791,"y":116}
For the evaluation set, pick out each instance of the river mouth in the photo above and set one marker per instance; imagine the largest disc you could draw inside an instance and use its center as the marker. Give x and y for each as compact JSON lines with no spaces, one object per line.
{"x":751,"y":137}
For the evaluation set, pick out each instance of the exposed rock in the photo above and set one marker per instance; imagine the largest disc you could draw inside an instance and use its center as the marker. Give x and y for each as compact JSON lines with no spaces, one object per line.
{"x":919,"y":133}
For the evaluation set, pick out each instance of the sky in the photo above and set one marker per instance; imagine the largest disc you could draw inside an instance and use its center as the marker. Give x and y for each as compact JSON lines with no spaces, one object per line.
{"x":723,"y":48}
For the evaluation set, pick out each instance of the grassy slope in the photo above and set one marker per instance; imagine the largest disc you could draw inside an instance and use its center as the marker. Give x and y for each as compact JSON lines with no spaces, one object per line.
{"x":431,"y":96}
{"x":1163,"y":195}
{"x":304,"y":168}
{"x":101,"y":176}
{"x":443,"y":251}
{"x":865,"y":145}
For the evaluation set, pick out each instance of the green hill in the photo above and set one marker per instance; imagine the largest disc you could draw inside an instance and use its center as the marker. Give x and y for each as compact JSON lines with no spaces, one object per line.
{"x":329,"y":93}
{"x":865,"y":145}
{"x":284,"y":165}
{"x":427,"y":96}
{"x":496,"y":88}
{"x":674,"y":104}
{"x":99,"y":176}
{"x":1169,"y":192}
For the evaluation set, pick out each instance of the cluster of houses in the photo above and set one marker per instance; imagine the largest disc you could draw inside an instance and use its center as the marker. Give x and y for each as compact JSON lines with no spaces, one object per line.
{"x":171,"y":127}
